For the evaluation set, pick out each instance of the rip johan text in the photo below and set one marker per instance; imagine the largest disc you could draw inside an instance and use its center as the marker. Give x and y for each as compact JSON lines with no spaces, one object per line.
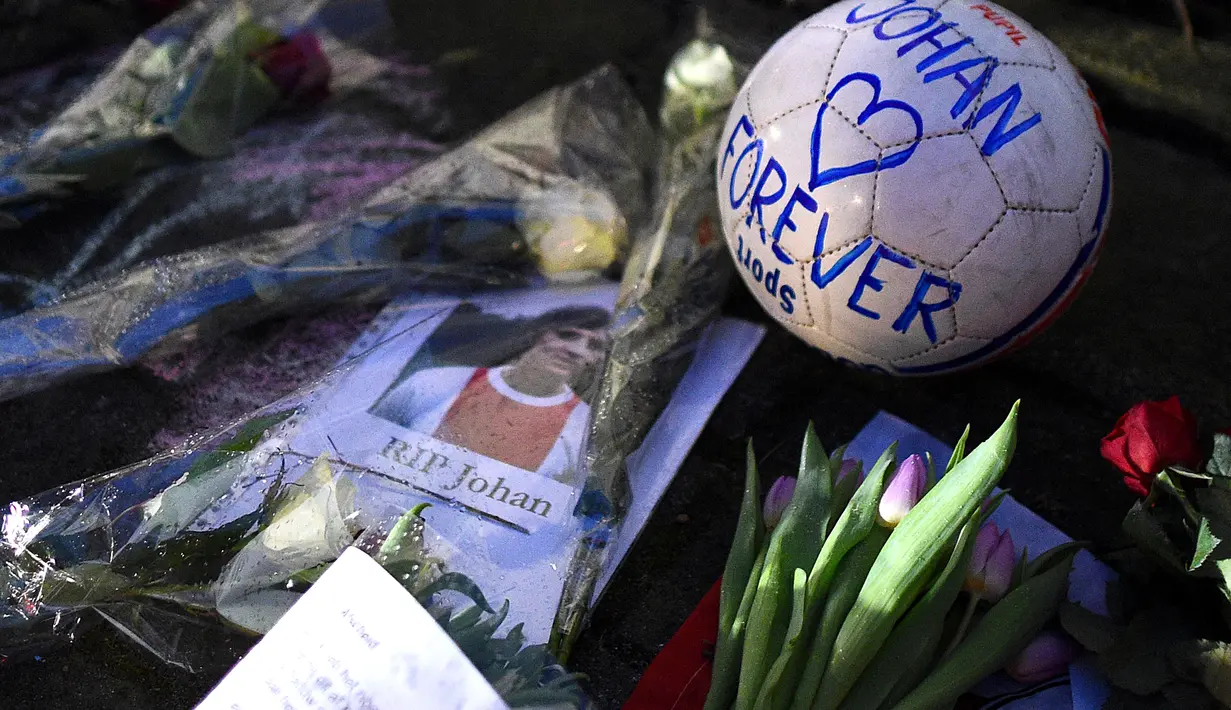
{"x":930,"y":43}
{"x":449,"y":477}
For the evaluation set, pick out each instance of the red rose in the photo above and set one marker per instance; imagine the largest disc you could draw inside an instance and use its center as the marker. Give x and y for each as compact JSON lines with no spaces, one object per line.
{"x":298,"y":67}
{"x":1150,"y":437}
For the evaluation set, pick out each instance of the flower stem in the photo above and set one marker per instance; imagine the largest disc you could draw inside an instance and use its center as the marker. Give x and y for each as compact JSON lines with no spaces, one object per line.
{"x":972,"y":602}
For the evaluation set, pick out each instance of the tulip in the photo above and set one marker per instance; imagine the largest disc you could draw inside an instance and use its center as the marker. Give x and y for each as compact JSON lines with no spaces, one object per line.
{"x":903,"y":492}
{"x":989,"y":575}
{"x":849,"y":467}
{"x":991,"y":565}
{"x":777,"y":499}
{"x":1046,"y":657}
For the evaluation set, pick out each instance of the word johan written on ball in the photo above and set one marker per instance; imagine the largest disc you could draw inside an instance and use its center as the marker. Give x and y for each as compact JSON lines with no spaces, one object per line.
{"x":877,"y":145}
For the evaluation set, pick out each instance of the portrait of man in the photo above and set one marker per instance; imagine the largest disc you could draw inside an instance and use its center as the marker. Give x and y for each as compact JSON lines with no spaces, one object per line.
{"x":514,"y":391}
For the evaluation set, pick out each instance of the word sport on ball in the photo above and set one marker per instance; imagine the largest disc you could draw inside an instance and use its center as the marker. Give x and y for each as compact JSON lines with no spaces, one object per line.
{"x":914,"y":186}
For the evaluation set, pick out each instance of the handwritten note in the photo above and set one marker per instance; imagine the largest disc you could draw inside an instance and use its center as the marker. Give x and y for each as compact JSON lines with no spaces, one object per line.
{"x":356,"y":641}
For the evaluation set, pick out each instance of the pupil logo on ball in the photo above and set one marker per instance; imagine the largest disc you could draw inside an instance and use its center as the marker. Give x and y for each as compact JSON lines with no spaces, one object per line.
{"x":896,"y":197}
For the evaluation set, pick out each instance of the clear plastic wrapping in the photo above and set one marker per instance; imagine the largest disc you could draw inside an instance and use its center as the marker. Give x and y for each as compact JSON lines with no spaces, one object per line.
{"x":672,"y":291}
{"x":301,"y":161}
{"x":547,"y":191}
{"x":541,"y":424}
{"x":192,"y":82}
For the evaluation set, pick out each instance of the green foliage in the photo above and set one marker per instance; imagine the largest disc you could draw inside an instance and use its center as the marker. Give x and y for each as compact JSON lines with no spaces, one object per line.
{"x":906,"y":563}
{"x":836,"y":610}
{"x":524,"y":676}
{"x":1000,"y":635}
{"x":744,"y":562}
{"x":792,"y":545}
{"x":231,"y":93}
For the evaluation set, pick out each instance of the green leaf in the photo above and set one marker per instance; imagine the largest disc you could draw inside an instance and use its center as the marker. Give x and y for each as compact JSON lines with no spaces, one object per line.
{"x":1095,"y":632}
{"x":908,"y":560}
{"x":1164,"y":481}
{"x":741,"y":562}
{"x":842,"y":594}
{"x":1020,"y":569}
{"x":1215,"y":504}
{"x":479,"y":635}
{"x":1220,"y":460}
{"x":311,"y":575}
{"x":992,"y":504}
{"x":1141,"y":526}
{"x":229,"y":94}
{"x":835,"y":464}
{"x":1224,"y":569}
{"x":745,"y":605}
{"x":959,"y":450}
{"x":843,"y":492}
{"x":777,"y":689}
{"x":402,"y":553}
{"x":457,"y":582}
{"x":1206,"y":542}
{"x":1056,"y":555}
{"x":1193,"y":475}
{"x":1137,"y":662}
{"x":908,"y":652}
{"x":855,"y":524}
{"x":999,"y":636}
{"x":794,"y":544}
{"x":82,"y":585}
{"x":250,"y":433}
{"x":466,"y":619}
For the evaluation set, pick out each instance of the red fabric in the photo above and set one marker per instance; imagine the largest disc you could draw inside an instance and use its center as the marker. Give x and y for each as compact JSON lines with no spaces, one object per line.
{"x":1150,"y":437}
{"x":679,"y":676}
{"x":488,"y":423}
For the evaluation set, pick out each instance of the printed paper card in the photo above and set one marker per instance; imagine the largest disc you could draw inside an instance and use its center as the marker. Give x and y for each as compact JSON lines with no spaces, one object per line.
{"x":481,"y":406}
{"x":355,"y":641}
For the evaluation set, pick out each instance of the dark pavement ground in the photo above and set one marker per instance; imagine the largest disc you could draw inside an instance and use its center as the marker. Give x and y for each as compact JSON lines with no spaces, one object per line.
{"x":1154,"y":320}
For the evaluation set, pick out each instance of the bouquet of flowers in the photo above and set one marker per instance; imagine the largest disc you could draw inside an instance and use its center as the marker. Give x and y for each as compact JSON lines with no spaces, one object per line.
{"x":846,"y":593}
{"x":546,"y":192}
{"x":1165,"y":643}
{"x":153,"y":565}
{"x":185,"y":88}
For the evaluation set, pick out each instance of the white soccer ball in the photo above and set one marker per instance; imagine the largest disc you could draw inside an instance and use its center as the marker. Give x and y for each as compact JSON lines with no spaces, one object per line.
{"x":914,"y":186}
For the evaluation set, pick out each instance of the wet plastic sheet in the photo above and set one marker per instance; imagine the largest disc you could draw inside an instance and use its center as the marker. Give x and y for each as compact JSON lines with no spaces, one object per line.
{"x":233,"y":526}
{"x":189,"y":83}
{"x":229,"y":527}
{"x":672,"y":292}
{"x":548,"y":191}
{"x":306,"y":158}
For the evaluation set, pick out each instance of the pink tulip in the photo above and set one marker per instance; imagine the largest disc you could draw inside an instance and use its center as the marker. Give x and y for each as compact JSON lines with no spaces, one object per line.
{"x":777,"y":499}
{"x":991,"y":564}
{"x":904,"y":491}
{"x":1047,"y":656}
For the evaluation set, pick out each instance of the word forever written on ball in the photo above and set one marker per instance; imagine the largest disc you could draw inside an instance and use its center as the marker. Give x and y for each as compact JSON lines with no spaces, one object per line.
{"x":774,"y":200}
